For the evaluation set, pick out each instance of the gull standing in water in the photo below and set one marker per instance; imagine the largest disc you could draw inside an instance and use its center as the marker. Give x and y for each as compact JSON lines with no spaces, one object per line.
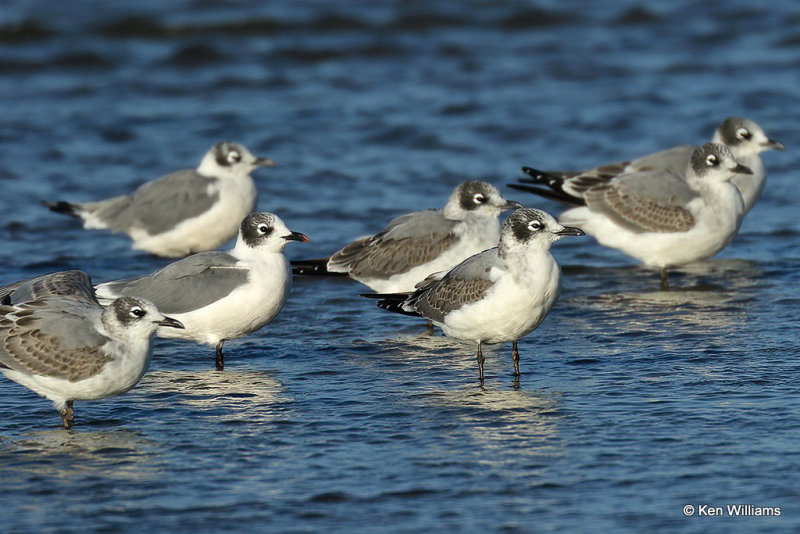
{"x":665,"y":221}
{"x":184,"y":212}
{"x":498,"y":295}
{"x":221,"y":295}
{"x":745,"y":139}
{"x":417,"y":244}
{"x":57,"y":340}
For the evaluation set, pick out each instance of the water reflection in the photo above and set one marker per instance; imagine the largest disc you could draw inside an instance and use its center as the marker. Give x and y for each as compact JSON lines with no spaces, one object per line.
{"x":431,"y":352}
{"x":225,"y":393}
{"x":708,"y":295}
{"x":723,"y":275}
{"x":499,"y":417}
{"x":117,"y":453}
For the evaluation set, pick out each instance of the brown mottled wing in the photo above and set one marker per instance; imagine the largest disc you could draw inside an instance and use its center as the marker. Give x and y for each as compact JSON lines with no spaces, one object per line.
{"x":408,"y":241}
{"x":466,"y":283}
{"x":52,"y":337}
{"x":645,"y":202}
{"x":76,"y":283}
{"x":672,"y":161}
{"x":577,"y":183}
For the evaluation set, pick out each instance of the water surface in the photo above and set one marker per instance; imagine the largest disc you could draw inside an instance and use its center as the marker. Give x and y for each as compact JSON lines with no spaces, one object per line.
{"x":338,"y":416}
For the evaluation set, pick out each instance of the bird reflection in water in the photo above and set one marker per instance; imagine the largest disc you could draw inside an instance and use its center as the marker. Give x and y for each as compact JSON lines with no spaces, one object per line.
{"x":115,"y":453}
{"x":227,"y":394}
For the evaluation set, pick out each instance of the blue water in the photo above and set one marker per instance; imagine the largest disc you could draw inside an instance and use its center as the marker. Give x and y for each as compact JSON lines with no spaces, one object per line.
{"x":340,"y":417}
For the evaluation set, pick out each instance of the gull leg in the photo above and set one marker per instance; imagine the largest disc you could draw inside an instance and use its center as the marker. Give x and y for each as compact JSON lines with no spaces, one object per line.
{"x":664,"y":280}
{"x":67,"y":415}
{"x":481,"y":359}
{"x":429,"y":327}
{"x":220,"y":360}
{"x":515,"y":357}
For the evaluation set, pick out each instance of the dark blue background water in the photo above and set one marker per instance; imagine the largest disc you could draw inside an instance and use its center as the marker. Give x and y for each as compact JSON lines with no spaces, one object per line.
{"x":339,"y":416}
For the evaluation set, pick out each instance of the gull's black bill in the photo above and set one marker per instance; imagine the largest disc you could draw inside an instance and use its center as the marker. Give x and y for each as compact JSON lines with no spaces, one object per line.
{"x":296,"y":236}
{"x":571,"y":230}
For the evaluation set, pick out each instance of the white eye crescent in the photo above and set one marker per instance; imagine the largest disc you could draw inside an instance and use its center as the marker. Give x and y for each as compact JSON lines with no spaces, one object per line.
{"x":743,"y":134}
{"x":479,"y":198}
{"x":137,"y":312}
{"x":263,"y":229}
{"x":535,"y":226}
{"x":711,"y":160}
{"x":234,"y":156}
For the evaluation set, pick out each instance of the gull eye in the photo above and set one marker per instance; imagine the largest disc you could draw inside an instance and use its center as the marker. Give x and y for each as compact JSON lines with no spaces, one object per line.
{"x":711,"y":160}
{"x":234,"y":156}
{"x":743,"y":134}
{"x":478,"y":198}
{"x":535,"y":226}
{"x":263,"y":229}
{"x":137,"y":312}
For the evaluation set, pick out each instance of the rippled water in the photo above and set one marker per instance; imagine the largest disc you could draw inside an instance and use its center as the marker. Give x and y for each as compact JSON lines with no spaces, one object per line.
{"x":339,"y":416}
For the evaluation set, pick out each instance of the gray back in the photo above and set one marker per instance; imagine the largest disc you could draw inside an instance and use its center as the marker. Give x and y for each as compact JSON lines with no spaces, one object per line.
{"x":188,"y":284}
{"x":160,"y":205}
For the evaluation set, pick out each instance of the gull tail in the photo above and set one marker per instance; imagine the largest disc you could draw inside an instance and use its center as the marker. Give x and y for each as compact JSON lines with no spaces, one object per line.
{"x":314,"y":267}
{"x":394,"y":302}
{"x":66,"y":208}
{"x":547,"y":185}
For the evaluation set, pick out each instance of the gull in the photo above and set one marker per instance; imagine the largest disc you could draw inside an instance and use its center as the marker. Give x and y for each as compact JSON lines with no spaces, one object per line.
{"x":57,"y":340}
{"x":220,"y":295}
{"x":184,"y":212}
{"x":745,"y":139}
{"x":665,"y":221}
{"x":417,"y":244}
{"x":498,"y":295}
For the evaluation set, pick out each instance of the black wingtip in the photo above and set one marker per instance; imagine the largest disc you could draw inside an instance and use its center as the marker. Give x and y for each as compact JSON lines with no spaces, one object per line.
{"x":539,"y":176}
{"x":392,"y":302}
{"x":313,"y":267}
{"x":396,"y":307}
{"x":549,"y":193}
{"x":393,"y":296}
{"x":60,"y":207}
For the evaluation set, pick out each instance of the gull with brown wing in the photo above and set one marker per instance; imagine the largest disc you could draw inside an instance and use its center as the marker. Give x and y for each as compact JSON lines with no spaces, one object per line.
{"x":417,"y":244}
{"x":498,"y":295}
{"x":664,"y":221}
{"x":57,"y":340}
{"x":745,"y":139}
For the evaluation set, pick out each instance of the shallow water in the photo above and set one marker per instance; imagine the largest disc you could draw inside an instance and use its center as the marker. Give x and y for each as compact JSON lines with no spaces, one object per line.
{"x":338,"y":416}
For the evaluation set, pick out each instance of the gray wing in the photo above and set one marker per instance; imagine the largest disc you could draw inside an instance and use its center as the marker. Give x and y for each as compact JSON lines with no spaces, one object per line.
{"x":408,"y":241}
{"x":185,"y":285}
{"x":672,"y":161}
{"x":466,"y":283}
{"x":75,"y":283}
{"x":160,"y":205}
{"x":52,"y":337}
{"x":645,"y":202}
